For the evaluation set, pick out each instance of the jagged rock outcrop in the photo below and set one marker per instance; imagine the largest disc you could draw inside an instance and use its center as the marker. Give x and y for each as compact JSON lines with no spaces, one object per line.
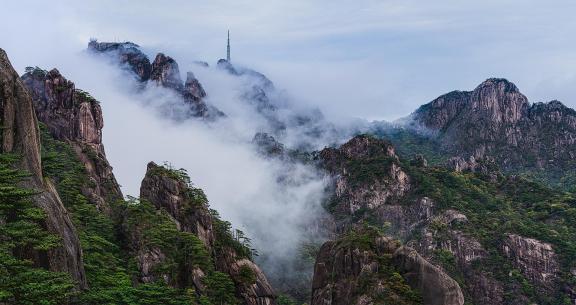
{"x":163,"y":72}
{"x":170,"y":191}
{"x":74,"y":116}
{"x":496,"y":120}
{"x":20,"y":135}
{"x":441,"y":234}
{"x":486,"y":166}
{"x":193,"y":90}
{"x":436,"y":286}
{"x":257,"y":292}
{"x":440,"y":213}
{"x":403,"y":219}
{"x":180,"y":200}
{"x":365,"y":268}
{"x":127,"y":53}
{"x":367,"y":174}
{"x":535,"y":259}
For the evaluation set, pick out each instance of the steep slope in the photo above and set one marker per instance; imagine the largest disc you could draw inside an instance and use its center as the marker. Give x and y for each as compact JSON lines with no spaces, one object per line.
{"x":367,"y":175}
{"x":126,"y":53}
{"x":173,"y":251}
{"x":506,"y":240}
{"x":212,"y":248}
{"x":364,"y":267}
{"x":20,"y":135}
{"x":72,"y":115}
{"x":496,"y":120}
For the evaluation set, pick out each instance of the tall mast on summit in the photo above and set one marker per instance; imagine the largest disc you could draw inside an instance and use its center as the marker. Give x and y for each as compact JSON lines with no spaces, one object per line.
{"x":228,"y":49}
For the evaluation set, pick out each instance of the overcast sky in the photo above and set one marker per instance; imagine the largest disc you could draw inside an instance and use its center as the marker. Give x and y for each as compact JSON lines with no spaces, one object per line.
{"x":370,"y":59}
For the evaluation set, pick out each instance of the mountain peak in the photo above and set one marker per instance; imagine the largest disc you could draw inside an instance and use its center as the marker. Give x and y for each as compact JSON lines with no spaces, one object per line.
{"x":500,"y":87}
{"x":500,"y":82}
{"x":126,"y":53}
{"x":165,"y":72}
{"x":496,"y":100}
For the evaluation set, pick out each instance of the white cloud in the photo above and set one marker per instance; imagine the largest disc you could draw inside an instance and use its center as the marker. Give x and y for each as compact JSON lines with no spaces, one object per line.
{"x":368,"y":58}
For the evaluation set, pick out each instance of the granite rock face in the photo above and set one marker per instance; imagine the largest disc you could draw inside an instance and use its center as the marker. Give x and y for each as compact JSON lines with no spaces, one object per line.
{"x":259,"y":292}
{"x":496,"y":120}
{"x":74,"y":116}
{"x":342,"y":265}
{"x":188,"y":209}
{"x":128,"y":54}
{"x":535,"y":259}
{"x":163,"y":72}
{"x":193,"y":90}
{"x":178,"y":199}
{"x":367,"y":174}
{"x":20,"y":135}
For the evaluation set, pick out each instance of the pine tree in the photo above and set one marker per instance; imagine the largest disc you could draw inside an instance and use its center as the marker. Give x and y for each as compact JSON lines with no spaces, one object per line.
{"x":22,"y":233}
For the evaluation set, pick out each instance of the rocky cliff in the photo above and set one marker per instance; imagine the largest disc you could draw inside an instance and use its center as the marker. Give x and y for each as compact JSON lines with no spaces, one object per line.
{"x":170,"y":192}
{"x":364,"y":267}
{"x":163,"y":72}
{"x":20,"y":135}
{"x":475,"y":224}
{"x":74,"y":116}
{"x":187,"y":205}
{"x":367,"y":176}
{"x":168,"y":248}
{"x":496,"y":120}
{"x":127,"y":54}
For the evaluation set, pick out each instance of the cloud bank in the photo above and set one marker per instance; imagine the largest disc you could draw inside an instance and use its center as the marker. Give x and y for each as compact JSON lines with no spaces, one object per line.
{"x":368,"y":59}
{"x":276,"y":203}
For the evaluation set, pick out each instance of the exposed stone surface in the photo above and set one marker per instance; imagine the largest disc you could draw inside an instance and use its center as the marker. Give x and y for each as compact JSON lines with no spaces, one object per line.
{"x":149,"y":259}
{"x":403,"y":219}
{"x":192,"y":88}
{"x":440,"y":235}
{"x":257,"y":293}
{"x":357,"y":186}
{"x":163,"y":72}
{"x":436,"y":286}
{"x":485,"y":166}
{"x":342,"y":265}
{"x":72,"y":115}
{"x":127,"y":53}
{"x":20,"y":134}
{"x":357,"y":148}
{"x":175,"y":196}
{"x":190,"y":214}
{"x":496,"y":120}
{"x":535,"y":259}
